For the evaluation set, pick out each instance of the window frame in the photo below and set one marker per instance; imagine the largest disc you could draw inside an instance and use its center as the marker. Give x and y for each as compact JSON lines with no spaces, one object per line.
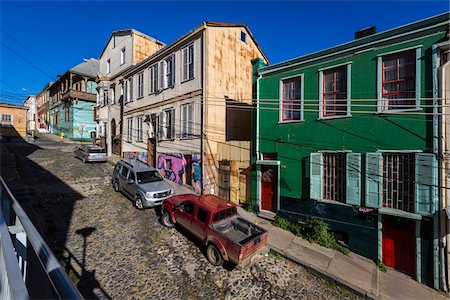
{"x":380,"y":75}
{"x":108,"y":66}
{"x":244,"y":37}
{"x":165,"y":125}
{"x":139,"y":128}
{"x":281,"y":99}
{"x":153,"y":79}
{"x":184,"y":134}
{"x":129,"y":129}
{"x":170,"y":71}
{"x":6,"y":123}
{"x":348,"y":75}
{"x":189,"y":64}
{"x":206,"y":216}
{"x":140,"y":85}
{"x":122,"y":56}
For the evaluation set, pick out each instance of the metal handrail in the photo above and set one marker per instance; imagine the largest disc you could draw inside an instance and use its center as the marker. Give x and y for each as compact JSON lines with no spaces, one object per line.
{"x":61,"y":283}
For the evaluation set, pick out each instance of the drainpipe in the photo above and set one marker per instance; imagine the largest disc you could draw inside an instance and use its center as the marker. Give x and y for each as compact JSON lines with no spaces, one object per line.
{"x":257,"y":118}
{"x":438,"y":128}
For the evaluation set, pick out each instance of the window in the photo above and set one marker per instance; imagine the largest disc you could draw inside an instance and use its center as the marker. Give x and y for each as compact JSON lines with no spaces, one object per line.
{"x":244,"y":37}
{"x":202,"y":215}
{"x":336,"y":176}
{"x":124,"y":171}
{"x":6,"y":120}
{"x":187,"y":207}
{"x":67,"y":113}
{"x":162,"y":75}
{"x":139,"y":128}
{"x":334,"y":181}
{"x":399,"y":81}
{"x":141,"y":85}
{"x":129,"y":129}
{"x":113,"y":94}
{"x":334,"y":99}
{"x":187,"y":120}
{"x":131,"y":176}
{"x":291,"y":103}
{"x":398,"y":181}
{"x":170,"y":71}
{"x":131,"y":89}
{"x":153,"y":79}
{"x":223,"y":214}
{"x":126,"y":92}
{"x":108,"y":66}
{"x":122,"y":56}
{"x":167,"y":124}
{"x":105,"y":97}
{"x":188,"y":62}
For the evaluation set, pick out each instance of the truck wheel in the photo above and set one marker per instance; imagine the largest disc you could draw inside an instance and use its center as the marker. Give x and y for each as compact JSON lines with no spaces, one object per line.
{"x":166,"y":220}
{"x":213,"y":255}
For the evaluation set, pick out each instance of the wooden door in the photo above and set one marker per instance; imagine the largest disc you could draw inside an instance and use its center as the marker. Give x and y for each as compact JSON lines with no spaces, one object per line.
{"x":269,"y":179}
{"x":151,"y":153}
{"x":224,"y":179}
{"x":399,"y":244}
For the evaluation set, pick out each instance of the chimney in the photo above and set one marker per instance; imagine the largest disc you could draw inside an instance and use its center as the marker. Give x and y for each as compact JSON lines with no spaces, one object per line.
{"x":365,"y":32}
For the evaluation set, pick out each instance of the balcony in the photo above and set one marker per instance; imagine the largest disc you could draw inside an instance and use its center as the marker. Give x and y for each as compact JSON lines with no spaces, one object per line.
{"x":73,"y":94}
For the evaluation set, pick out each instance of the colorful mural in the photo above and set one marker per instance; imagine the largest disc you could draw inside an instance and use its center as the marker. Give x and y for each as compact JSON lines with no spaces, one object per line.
{"x":175,"y":166}
{"x":141,"y":156}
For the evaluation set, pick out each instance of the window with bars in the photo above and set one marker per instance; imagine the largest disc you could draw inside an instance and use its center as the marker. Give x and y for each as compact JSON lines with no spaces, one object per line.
{"x":291,"y":99}
{"x":6,"y":120}
{"x":398,"y":181}
{"x":140,"y":85}
{"x":139,"y":131}
{"x":105,"y":97}
{"x":335,"y":92}
{"x":153,"y":79}
{"x":399,"y":80}
{"x":334,"y":176}
{"x":187,"y":120}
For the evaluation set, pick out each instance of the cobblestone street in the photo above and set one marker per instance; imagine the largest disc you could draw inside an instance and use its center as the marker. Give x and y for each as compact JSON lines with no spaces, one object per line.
{"x":112,"y":250}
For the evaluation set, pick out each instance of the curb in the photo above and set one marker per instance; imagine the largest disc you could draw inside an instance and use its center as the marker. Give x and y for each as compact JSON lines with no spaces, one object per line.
{"x":321,"y":273}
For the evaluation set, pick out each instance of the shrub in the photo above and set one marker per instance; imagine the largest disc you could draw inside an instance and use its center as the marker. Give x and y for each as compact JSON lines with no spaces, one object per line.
{"x":381,"y":266}
{"x":248,"y":205}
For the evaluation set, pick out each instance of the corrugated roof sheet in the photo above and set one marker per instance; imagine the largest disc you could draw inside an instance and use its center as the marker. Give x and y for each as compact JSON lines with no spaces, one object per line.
{"x":88,"y":67}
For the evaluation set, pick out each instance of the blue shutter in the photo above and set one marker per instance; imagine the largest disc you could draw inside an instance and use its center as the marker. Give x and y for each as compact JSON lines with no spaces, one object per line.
{"x":315,"y":176}
{"x":374,"y":179}
{"x":353,"y":179}
{"x":425,"y":183}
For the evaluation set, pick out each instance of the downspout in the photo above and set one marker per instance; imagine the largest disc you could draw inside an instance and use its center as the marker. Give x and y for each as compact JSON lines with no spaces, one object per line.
{"x":202,"y":106}
{"x":437,"y":149}
{"x":257,"y":119}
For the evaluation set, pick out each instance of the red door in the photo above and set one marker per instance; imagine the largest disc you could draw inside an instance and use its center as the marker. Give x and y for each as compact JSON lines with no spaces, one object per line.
{"x":399,"y":244}
{"x":269,"y":188}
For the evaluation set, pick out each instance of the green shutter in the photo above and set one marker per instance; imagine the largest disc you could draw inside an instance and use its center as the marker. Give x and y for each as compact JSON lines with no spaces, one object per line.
{"x":425,"y":183}
{"x":315,"y":172}
{"x":353,"y":179}
{"x":374,"y":179}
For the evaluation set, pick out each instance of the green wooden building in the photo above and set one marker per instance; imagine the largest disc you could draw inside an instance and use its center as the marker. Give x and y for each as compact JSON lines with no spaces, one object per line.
{"x":349,"y":135}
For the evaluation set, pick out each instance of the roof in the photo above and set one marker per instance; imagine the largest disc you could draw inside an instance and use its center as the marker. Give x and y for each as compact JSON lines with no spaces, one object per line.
{"x":129,"y":32}
{"x":191,"y":32}
{"x":138,"y":166}
{"x":10,"y":105}
{"x":213,"y":203}
{"x":89,"y":68}
{"x":361,"y":42}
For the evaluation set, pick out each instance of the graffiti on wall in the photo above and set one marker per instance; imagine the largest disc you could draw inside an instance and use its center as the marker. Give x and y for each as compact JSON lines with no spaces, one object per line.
{"x":141,"y":156}
{"x":175,"y":167}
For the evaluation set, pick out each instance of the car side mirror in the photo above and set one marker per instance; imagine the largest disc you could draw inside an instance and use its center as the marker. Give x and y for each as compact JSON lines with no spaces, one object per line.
{"x":130,"y":181}
{"x":178,"y":206}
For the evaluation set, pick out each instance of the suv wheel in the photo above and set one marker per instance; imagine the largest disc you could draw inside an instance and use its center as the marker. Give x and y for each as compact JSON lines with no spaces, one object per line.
{"x":213,"y":255}
{"x":138,"y":202}
{"x":116,"y":186}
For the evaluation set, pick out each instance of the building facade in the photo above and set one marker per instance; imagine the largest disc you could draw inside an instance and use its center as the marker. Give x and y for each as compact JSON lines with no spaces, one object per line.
{"x":31,"y":105}
{"x":350,"y":135}
{"x":42,"y":99}
{"x":13,"y":121}
{"x":124,"y":48}
{"x":182,"y":104}
{"x":72,"y":101}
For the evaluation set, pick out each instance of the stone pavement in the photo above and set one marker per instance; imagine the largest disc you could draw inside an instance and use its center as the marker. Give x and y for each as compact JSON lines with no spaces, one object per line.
{"x":352,"y":271}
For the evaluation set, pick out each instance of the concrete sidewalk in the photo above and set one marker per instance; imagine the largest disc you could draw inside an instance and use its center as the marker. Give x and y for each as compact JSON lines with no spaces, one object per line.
{"x":353,"y":271}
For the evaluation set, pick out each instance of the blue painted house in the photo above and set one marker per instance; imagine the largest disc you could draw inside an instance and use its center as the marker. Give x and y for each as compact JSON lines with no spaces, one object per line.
{"x":72,"y":100}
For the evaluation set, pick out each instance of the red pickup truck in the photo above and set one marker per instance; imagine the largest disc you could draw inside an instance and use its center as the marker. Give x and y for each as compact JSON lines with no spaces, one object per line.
{"x":228,"y":237}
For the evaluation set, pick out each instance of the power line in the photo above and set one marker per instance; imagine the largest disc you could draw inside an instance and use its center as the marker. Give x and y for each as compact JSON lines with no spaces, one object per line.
{"x":33,"y":65}
{"x":29,"y":50}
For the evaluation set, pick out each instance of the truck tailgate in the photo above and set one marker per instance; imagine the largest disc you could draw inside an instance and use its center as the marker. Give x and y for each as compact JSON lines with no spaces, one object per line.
{"x":252,"y":246}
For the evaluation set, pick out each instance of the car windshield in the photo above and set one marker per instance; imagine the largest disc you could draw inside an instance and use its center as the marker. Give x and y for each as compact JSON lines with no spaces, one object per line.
{"x":148,"y":176}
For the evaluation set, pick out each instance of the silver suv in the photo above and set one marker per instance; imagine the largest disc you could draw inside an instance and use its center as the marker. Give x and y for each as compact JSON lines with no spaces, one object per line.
{"x":141,"y":182}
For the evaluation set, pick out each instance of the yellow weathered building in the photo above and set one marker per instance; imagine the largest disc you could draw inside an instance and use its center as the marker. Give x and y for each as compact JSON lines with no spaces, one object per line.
{"x":13,"y":121}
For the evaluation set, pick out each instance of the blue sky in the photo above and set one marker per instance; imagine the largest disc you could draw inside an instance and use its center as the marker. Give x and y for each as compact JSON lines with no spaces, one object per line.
{"x":61,"y":33}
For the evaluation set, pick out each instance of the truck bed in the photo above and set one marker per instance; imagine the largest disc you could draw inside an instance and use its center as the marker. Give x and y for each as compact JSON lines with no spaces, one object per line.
{"x":238,"y":230}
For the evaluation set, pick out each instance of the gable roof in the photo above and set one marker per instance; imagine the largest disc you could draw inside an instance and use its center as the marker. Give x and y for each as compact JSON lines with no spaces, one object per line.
{"x":190,"y":33}
{"x":128,"y":32}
